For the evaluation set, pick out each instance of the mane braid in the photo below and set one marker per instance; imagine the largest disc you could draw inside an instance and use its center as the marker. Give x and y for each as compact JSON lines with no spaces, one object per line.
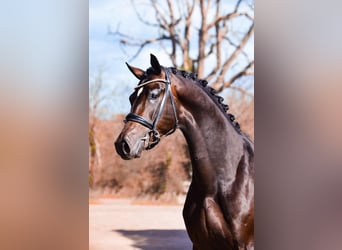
{"x":218,"y":100}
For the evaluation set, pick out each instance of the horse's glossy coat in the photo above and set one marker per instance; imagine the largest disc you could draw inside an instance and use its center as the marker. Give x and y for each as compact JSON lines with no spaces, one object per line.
{"x":219,"y":208}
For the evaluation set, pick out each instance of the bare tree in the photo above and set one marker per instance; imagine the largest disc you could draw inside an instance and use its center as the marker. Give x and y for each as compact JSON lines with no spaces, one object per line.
{"x":218,"y":43}
{"x":96,"y":99}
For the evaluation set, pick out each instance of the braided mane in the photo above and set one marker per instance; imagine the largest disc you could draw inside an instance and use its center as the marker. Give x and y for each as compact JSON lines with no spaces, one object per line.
{"x":218,"y":100}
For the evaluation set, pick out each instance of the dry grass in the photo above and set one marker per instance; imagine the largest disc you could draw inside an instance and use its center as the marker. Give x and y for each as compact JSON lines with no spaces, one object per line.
{"x":155,"y":202}
{"x":94,"y":202}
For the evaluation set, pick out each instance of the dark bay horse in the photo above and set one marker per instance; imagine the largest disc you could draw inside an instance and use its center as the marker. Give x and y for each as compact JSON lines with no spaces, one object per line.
{"x":219,"y":208}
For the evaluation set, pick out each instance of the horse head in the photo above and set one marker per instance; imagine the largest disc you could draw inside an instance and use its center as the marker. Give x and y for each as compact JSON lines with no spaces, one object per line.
{"x":153,"y":111}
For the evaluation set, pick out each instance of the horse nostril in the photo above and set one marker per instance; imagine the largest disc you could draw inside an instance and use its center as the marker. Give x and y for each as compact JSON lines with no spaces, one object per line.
{"x":125,"y":148}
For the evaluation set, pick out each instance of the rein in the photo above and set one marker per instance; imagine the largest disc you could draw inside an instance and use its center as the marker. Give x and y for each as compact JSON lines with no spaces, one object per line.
{"x":153,"y":126}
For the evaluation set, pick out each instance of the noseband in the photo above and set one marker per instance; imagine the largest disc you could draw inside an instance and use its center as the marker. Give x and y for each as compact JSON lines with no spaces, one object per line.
{"x":153,"y":133}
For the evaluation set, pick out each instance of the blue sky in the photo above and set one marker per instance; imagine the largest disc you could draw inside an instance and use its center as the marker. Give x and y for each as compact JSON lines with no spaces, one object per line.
{"x":105,"y":52}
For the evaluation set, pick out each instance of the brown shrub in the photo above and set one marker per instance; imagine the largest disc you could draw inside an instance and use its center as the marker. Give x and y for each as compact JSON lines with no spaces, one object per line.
{"x":242,"y":107}
{"x":159,"y":171}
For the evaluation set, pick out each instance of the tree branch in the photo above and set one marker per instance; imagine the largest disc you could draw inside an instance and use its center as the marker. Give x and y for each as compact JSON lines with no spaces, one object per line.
{"x":234,"y":55}
{"x":229,"y":17}
{"x":220,"y":86}
{"x":226,"y":38}
{"x":243,"y":91}
{"x":146,"y":42}
{"x":141,"y":19}
{"x":237,"y":5}
{"x":174,"y":21}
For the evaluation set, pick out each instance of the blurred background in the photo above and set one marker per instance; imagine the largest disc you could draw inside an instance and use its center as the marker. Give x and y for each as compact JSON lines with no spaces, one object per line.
{"x":44,"y":110}
{"x":215,"y":39}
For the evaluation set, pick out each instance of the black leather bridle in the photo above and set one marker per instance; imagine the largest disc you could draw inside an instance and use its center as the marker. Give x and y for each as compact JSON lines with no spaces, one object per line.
{"x":152,"y":126}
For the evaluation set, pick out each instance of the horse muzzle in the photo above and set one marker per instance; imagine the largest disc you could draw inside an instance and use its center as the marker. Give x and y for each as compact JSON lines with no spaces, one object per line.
{"x":127,"y":149}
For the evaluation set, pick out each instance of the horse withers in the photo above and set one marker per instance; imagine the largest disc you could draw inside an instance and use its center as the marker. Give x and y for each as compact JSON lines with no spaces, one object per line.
{"x":219,"y":207}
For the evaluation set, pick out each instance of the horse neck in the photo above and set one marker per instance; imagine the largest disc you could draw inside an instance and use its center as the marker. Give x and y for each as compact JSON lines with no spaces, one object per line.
{"x":215,"y":146}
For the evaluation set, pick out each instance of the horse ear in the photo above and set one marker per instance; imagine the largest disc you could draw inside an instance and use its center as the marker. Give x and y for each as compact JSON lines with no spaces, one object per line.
{"x":139,"y":73}
{"x":155,"y":64}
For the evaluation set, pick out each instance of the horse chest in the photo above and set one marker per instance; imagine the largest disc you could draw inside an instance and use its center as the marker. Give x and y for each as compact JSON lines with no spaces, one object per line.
{"x":206,"y":225}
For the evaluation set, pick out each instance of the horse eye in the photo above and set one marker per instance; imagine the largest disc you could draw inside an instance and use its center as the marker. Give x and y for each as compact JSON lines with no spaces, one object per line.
{"x":154,"y":94}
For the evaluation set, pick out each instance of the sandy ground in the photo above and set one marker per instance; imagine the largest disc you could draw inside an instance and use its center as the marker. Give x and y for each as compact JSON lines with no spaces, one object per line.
{"x":117,"y":224}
